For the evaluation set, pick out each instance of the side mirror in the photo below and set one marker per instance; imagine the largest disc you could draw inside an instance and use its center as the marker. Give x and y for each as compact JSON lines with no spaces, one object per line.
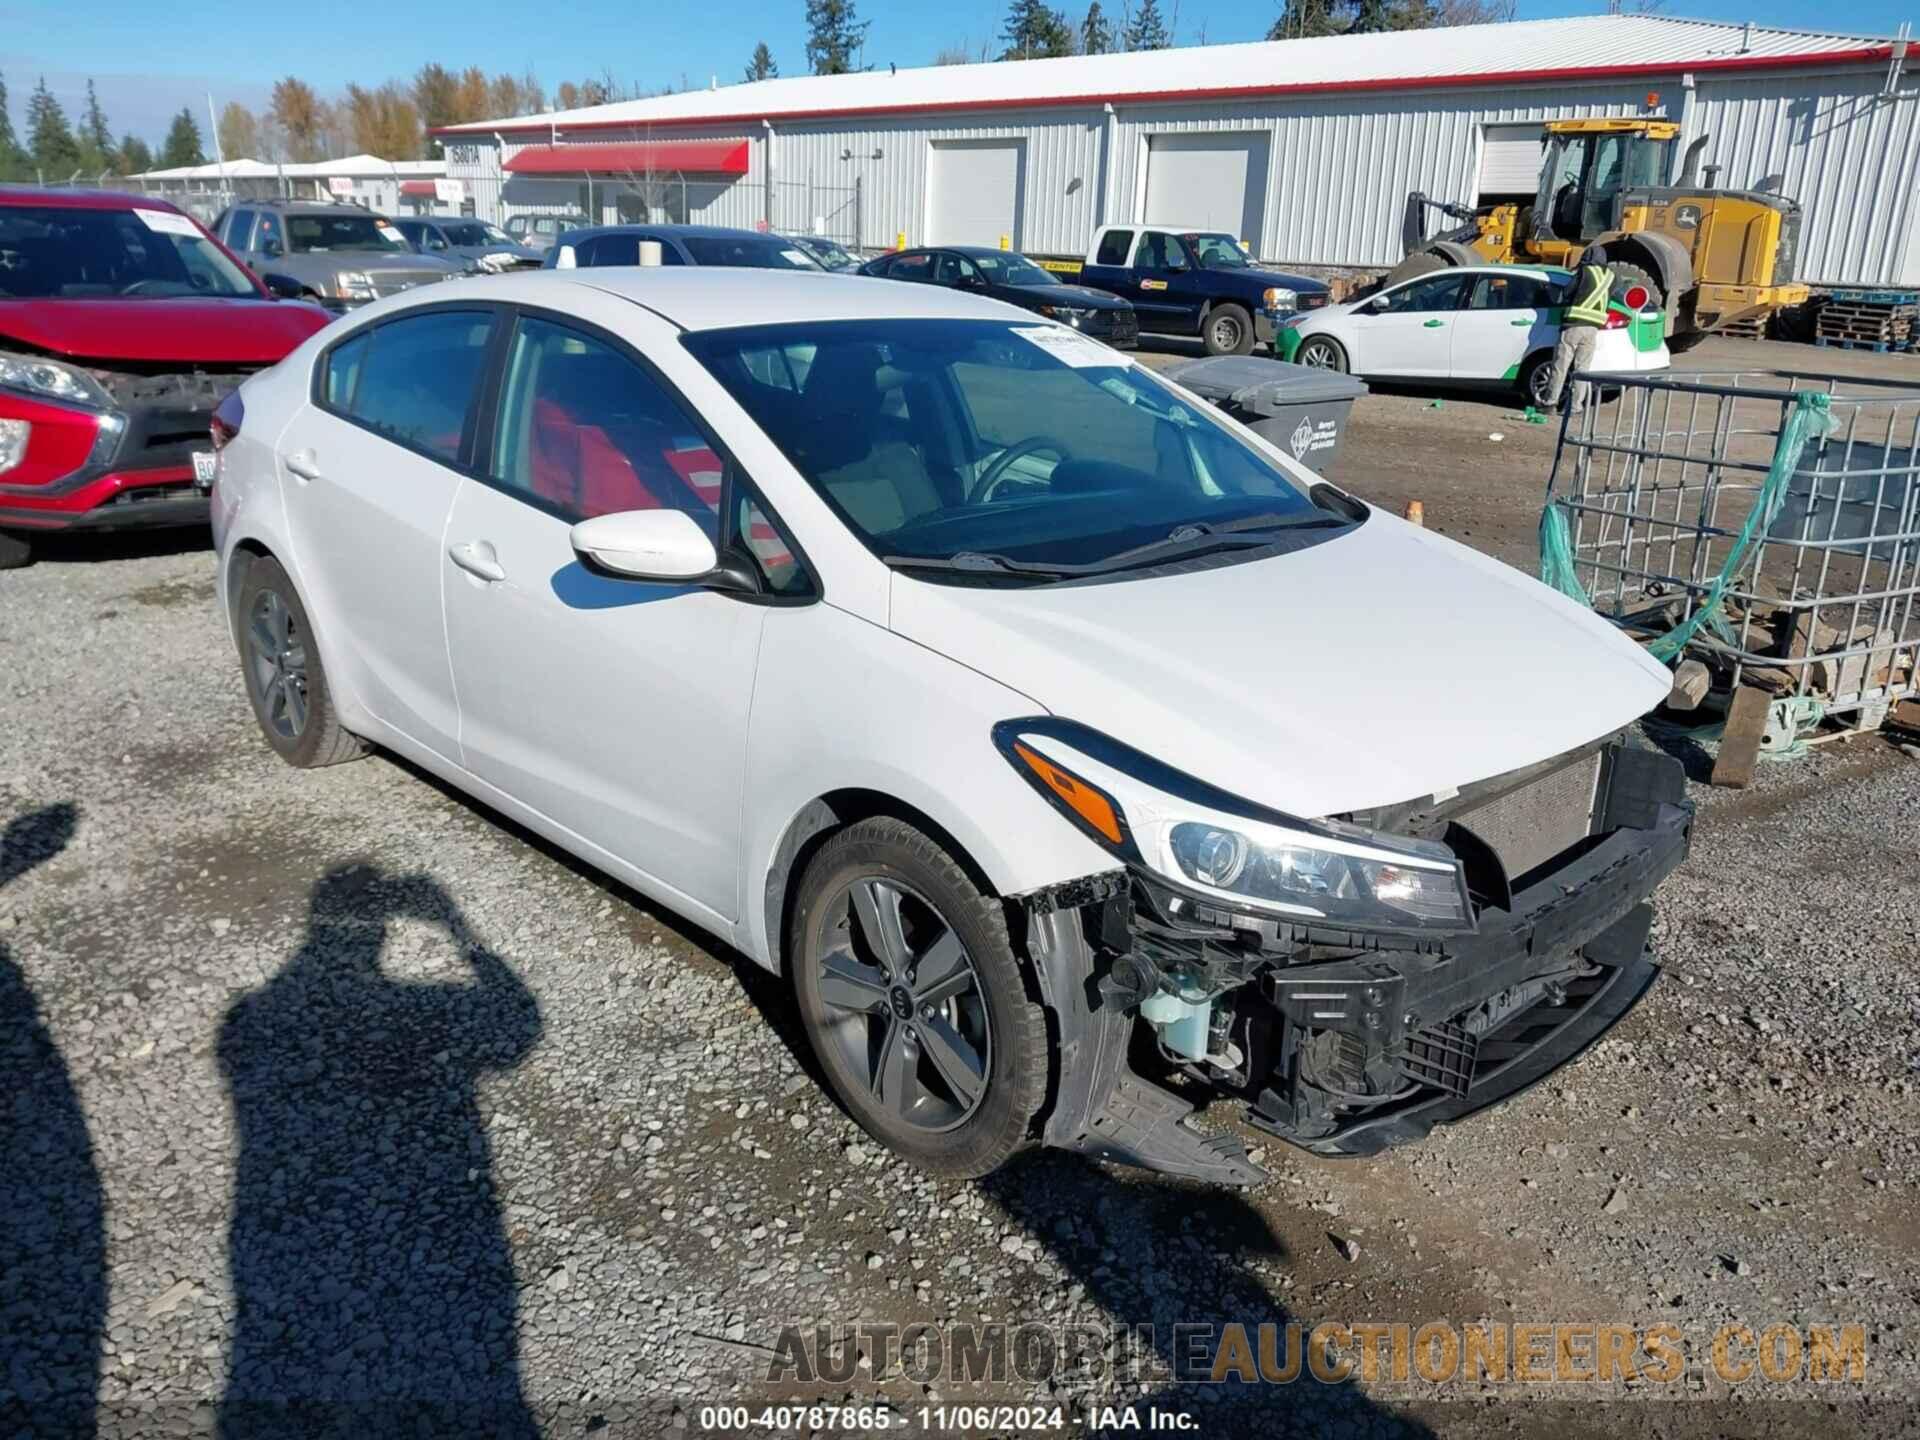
{"x":281,"y":287}
{"x":667,"y":547}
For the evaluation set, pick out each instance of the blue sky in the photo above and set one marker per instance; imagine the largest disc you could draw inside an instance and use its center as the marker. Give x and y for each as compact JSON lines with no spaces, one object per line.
{"x":149,"y":59}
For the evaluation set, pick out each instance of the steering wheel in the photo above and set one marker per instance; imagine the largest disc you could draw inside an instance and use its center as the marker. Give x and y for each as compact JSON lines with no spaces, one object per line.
{"x":148,"y":286}
{"x":997,"y":471}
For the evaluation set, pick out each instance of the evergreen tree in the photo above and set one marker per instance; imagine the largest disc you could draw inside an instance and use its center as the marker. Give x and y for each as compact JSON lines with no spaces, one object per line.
{"x":1148,"y":31}
{"x":1301,"y":19}
{"x":761,"y":67}
{"x":834,"y":36}
{"x":96,"y":138}
{"x":182,"y":145}
{"x":1035,"y":32}
{"x":55,"y":152}
{"x":1096,"y":35}
{"x":134,"y":156}
{"x":14,"y":164}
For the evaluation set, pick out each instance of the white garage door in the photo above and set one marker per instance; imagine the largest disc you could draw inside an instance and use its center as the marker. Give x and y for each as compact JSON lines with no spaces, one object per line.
{"x":1510,"y":159}
{"x":1209,"y":181}
{"x":973,"y":192}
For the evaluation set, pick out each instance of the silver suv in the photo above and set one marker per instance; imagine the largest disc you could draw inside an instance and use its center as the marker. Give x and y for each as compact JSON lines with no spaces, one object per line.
{"x":338,"y":255}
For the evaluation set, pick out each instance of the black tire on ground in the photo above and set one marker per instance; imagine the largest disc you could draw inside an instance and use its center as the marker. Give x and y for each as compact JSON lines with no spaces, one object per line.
{"x":1321,"y":352}
{"x":857,"y":1033}
{"x":1423,"y":262}
{"x":1535,"y":376}
{"x":1227,"y":330}
{"x":288,"y":689}
{"x":15,"y":550}
{"x":1627,"y":274}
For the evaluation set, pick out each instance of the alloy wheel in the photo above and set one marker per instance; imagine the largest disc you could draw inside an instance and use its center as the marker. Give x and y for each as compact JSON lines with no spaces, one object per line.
{"x":1316,"y":357}
{"x":277,"y":665}
{"x":1226,"y":333}
{"x":905,"y":1008}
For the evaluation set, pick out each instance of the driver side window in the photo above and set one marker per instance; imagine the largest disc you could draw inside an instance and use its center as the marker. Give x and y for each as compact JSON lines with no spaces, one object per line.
{"x":1437,"y":292}
{"x":1161,"y":251}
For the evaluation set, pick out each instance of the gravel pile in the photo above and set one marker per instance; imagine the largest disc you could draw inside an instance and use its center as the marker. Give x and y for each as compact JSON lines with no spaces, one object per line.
{"x":332,"y":1104}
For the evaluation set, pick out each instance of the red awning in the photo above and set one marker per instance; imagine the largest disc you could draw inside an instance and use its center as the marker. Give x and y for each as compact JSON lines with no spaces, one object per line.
{"x":659,"y":157}
{"x":417,"y":187}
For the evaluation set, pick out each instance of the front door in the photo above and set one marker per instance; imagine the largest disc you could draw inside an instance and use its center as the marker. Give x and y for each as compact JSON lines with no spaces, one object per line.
{"x":1408,"y":330}
{"x":369,"y":470}
{"x":1161,"y":265}
{"x":616,"y":708}
{"x":1507,"y":317}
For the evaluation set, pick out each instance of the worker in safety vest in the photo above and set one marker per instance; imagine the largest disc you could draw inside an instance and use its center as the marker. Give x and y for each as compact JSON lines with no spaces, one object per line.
{"x":1580,"y":325}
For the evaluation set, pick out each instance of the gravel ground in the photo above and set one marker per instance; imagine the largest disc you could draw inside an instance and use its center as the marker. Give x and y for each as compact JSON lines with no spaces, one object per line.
{"x":330,"y":1103}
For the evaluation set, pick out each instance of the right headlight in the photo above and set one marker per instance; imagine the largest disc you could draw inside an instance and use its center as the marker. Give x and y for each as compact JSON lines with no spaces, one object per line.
{"x":1230,"y":852}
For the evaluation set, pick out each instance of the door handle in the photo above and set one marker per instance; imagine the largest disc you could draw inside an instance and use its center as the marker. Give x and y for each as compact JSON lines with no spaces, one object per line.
{"x":1434,"y":324}
{"x":1519,"y":324}
{"x":302,"y":464}
{"x":476,"y":558}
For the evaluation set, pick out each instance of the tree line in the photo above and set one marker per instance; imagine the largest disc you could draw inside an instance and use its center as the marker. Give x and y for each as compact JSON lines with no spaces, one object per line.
{"x":395,"y":120}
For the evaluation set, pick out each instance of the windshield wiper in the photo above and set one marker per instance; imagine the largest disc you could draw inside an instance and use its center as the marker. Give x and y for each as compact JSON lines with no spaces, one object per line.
{"x":975,"y":563}
{"x":1201,"y":537}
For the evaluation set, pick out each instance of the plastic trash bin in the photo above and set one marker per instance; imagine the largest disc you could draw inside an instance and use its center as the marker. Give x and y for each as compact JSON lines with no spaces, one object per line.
{"x":1301,"y":409}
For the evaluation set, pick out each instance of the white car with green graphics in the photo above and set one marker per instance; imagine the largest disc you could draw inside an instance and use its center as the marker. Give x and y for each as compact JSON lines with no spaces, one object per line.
{"x":1473,"y":325}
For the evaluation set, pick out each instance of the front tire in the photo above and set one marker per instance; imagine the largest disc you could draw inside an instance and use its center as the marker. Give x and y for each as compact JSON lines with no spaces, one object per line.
{"x":914,"y":1000}
{"x":286,"y":680}
{"x":1321,"y":352}
{"x":1227,"y":330}
{"x":15,"y":551}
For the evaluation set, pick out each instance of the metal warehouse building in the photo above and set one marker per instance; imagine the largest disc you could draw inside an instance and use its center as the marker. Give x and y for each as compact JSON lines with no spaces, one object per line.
{"x":1305,"y":148}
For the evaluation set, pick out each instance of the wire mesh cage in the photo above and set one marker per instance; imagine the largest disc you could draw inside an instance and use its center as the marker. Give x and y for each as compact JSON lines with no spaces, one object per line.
{"x":1764,"y":522}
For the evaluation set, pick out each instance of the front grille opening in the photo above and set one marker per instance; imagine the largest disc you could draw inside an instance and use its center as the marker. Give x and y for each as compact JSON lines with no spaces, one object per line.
{"x":1541,"y":820}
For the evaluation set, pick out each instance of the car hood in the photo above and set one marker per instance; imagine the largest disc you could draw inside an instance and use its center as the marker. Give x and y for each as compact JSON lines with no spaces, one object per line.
{"x":188,"y":329}
{"x":328,"y":261}
{"x":1299,"y":284}
{"x":1083,"y":295}
{"x":492,"y":247}
{"x":1382,"y":665}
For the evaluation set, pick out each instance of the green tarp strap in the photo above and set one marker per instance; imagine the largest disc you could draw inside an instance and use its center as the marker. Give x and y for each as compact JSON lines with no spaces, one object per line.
{"x":1810,"y":418}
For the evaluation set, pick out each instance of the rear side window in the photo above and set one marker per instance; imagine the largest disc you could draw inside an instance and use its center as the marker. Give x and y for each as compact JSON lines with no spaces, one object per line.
{"x":585,"y":431}
{"x":417,"y":379}
{"x":1113,"y":248}
{"x":342,"y":369}
{"x":912,"y":267}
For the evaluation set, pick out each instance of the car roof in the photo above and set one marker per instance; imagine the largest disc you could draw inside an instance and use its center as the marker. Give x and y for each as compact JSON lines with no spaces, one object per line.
{"x":303,"y":207}
{"x":82,"y":199}
{"x":719,"y":297}
{"x":679,"y":232}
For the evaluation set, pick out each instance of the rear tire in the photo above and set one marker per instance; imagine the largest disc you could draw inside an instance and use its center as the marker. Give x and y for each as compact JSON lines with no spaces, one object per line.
{"x":1626,"y":275}
{"x":1227,"y":330}
{"x":1321,"y":352}
{"x":939,"y":993}
{"x":15,"y":550}
{"x":285,"y":677}
{"x":1536,"y":377}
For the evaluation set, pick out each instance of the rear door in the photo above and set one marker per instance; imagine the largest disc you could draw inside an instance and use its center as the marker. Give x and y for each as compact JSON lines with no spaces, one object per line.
{"x":369,"y":469}
{"x":616,"y":708}
{"x":1507,"y":316}
{"x":1408,"y":330}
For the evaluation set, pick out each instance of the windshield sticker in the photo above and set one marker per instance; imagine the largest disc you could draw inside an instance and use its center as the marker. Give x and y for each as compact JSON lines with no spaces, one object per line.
{"x":798,"y":257}
{"x":167,"y":223}
{"x":1070,"y":347}
{"x":392,"y":233}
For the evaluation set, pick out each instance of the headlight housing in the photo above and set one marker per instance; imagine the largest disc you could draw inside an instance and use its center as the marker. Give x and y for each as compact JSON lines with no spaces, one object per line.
{"x":1230,"y":853}
{"x":50,"y":380}
{"x":1071,"y":314}
{"x":1279,"y":297}
{"x":354,"y":285}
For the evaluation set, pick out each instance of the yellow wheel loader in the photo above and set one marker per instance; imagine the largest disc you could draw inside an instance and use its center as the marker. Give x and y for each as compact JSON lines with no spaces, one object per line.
{"x":1708,"y":256}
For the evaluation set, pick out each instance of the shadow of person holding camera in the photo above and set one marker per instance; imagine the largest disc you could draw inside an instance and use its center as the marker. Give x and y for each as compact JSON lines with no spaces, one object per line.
{"x":53,"y":1279}
{"x":372,"y":1278}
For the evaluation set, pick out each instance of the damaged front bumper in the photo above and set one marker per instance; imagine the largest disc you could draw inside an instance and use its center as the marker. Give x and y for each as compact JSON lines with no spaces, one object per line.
{"x":1345,"y":1048}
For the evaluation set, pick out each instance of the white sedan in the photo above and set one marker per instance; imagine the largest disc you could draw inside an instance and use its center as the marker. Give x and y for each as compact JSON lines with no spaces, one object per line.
{"x":1006,"y":699}
{"x":1481,"y":325}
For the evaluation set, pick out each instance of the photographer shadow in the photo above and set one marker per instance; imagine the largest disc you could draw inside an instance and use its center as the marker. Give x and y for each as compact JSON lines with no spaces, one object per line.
{"x":53,"y":1279}
{"x":372,"y":1277}
{"x":1163,"y":1253}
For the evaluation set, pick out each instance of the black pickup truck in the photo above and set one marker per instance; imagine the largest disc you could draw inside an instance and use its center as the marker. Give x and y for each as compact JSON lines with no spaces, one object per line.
{"x":1195,"y":282}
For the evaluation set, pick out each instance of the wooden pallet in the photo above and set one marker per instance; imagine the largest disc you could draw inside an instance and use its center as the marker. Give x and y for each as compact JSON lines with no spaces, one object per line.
{"x":1887,"y":321}
{"x":1753,"y":327}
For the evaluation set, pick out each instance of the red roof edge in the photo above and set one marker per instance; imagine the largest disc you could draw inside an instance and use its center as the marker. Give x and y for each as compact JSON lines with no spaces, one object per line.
{"x":701,"y":157}
{"x":1226,"y":92}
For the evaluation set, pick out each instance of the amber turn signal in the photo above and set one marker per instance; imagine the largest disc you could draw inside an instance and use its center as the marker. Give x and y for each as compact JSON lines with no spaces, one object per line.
{"x":1088,"y":803}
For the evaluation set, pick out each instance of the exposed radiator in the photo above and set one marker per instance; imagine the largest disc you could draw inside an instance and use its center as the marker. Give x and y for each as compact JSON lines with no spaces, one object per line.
{"x":1529,"y":826}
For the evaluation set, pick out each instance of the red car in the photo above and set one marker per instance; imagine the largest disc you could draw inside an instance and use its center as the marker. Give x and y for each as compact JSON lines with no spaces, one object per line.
{"x":123,"y":324}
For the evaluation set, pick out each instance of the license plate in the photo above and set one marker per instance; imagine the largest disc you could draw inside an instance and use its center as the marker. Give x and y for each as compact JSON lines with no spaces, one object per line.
{"x":203,"y":463}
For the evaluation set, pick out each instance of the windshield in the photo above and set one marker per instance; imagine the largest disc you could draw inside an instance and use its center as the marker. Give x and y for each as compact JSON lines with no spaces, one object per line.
{"x":318,"y":234}
{"x":1217,"y":252}
{"x":831,"y":254}
{"x":472,"y":232}
{"x":989,"y":439}
{"x":53,"y":252}
{"x":759,"y":252}
{"x":1012,"y":270}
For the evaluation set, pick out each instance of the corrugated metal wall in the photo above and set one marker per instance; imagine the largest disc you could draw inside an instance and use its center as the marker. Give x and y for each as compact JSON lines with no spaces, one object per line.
{"x":1340,"y":168}
{"x":1849,"y":154}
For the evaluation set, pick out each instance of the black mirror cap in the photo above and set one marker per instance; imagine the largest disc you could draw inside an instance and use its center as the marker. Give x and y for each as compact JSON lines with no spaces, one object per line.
{"x":282,"y":287}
